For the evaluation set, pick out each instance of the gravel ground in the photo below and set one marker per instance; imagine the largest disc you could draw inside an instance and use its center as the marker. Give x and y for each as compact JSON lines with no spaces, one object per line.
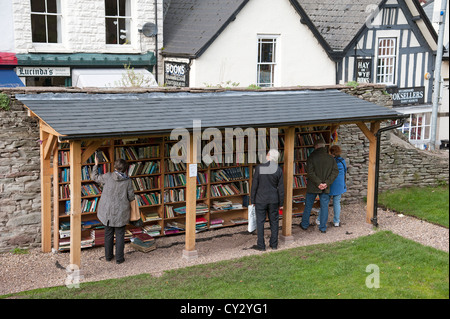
{"x":37,"y":270}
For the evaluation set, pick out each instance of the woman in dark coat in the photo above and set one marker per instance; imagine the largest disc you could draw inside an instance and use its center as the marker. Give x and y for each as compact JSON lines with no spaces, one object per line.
{"x":114,"y":206}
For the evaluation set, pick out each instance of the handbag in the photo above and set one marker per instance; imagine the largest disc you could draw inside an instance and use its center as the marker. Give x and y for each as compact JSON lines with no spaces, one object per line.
{"x":251,"y":218}
{"x":135,"y":216}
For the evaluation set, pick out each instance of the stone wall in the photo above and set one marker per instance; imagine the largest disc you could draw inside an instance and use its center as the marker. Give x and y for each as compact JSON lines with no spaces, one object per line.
{"x":401,"y":165}
{"x":20,"y":199}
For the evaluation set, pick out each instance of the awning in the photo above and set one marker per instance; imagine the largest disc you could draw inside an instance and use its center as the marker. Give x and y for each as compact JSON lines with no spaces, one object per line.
{"x":80,"y":116}
{"x":107,"y":78}
{"x":9,"y":78}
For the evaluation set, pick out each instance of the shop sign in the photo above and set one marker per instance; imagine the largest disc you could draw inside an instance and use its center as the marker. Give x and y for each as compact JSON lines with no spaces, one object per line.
{"x":42,"y":71}
{"x":176,"y":74}
{"x":363,"y":70}
{"x":407,"y":96}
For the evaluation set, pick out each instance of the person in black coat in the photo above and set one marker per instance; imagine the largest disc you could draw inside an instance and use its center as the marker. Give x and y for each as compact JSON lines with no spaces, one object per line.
{"x":267,"y":194}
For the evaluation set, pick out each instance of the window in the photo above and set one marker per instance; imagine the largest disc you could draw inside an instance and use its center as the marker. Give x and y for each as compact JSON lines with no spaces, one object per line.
{"x":386,"y":60}
{"x":266,"y":61}
{"x":117,"y":21}
{"x":418,"y":128}
{"x":45,"y":21}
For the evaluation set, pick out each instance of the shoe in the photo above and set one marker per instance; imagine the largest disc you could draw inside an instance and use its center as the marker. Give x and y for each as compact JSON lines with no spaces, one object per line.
{"x":120,"y":261}
{"x":274,"y":247}
{"x":256,"y":247}
{"x":336,"y":225}
{"x":109,"y":259}
{"x":323,"y":231}
{"x":302,"y":227}
{"x":317,"y":222}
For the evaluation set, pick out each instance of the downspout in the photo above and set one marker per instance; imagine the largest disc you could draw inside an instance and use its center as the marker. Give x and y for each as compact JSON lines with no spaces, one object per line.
{"x":377,"y":167}
{"x":156,"y":42}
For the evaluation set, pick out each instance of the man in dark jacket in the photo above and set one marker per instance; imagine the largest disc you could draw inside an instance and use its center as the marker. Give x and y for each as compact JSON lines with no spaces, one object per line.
{"x":322,"y":171}
{"x":267,"y":195}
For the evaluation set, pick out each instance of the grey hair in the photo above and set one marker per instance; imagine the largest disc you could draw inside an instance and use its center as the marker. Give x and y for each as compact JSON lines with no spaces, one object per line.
{"x":273,"y":155}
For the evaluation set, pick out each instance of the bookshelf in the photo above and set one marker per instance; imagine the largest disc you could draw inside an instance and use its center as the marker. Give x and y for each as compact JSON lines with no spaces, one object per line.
{"x":222,"y":194}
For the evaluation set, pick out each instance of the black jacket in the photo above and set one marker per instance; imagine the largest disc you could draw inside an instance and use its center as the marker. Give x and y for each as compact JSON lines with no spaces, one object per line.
{"x":267,"y":188}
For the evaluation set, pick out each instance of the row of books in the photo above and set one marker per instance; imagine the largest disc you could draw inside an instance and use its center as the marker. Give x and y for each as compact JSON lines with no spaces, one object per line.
{"x":174,"y":195}
{"x":174,"y":180}
{"x":170,"y":166}
{"x":229,"y":174}
{"x":143,"y":242}
{"x":301,"y":154}
{"x":174,"y":227}
{"x":64,"y":157}
{"x":299,"y":181}
{"x":90,"y":189}
{"x":147,"y":199}
{"x":143,"y":168}
{"x":64,"y":173}
{"x":135,"y":153}
{"x":235,"y":188}
{"x":309,"y":139}
{"x":299,"y":168}
{"x":313,"y":128}
{"x":146,"y":183}
{"x":150,"y":216}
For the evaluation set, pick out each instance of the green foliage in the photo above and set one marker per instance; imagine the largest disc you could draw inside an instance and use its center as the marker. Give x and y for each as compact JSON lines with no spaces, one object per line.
{"x":353,"y":84}
{"x":5,"y":102}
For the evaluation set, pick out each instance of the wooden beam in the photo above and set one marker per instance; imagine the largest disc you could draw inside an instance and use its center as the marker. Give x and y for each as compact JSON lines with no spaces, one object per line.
{"x":90,"y":149}
{"x":289,"y":143}
{"x":55,"y":199}
{"x":46,"y":195}
{"x":75,"y":205}
{"x":50,"y":145}
{"x":191,"y":200}
{"x":48,"y":129}
{"x":370,"y":134}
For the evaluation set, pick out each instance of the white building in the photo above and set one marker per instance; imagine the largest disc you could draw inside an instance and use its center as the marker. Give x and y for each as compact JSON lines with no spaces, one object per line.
{"x":63,"y":43}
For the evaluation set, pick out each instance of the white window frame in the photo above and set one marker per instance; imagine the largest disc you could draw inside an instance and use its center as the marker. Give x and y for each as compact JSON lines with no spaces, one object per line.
{"x":386,"y":52}
{"x":58,"y":22}
{"x":273,"y":63}
{"x":423,"y":128}
{"x":128,"y":24}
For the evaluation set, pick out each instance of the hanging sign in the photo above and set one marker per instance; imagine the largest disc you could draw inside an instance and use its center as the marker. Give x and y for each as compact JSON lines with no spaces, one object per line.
{"x":176,"y":74}
{"x":363,"y":70}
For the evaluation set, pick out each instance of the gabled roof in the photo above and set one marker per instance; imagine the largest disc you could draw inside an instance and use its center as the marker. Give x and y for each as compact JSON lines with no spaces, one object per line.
{"x":336,"y":24}
{"x":190,"y":26}
{"x":81,"y":116}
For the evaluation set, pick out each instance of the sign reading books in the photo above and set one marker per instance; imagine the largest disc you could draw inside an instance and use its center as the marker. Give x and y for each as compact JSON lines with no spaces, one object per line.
{"x":407,"y":96}
{"x":176,"y":74}
{"x":363,"y":70}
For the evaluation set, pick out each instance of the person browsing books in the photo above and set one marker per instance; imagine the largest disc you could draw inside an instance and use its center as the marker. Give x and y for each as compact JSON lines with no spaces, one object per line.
{"x":339,"y":186}
{"x":114,"y":206}
{"x":321,"y":171}
{"x":267,"y":194}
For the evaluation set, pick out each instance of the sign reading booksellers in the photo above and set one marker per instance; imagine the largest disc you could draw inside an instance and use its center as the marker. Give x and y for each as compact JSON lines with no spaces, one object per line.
{"x":176,"y":74}
{"x":407,"y":96}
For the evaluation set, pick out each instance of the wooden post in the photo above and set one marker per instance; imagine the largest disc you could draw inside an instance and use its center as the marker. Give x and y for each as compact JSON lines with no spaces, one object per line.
{"x":75,"y":205}
{"x":289,"y":142}
{"x":370,"y":134}
{"x":191,"y":199}
{"x":47,"y":142}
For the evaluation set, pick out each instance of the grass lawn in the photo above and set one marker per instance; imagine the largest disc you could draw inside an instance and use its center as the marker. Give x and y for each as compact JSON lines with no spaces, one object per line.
{"x":429,"y":203}
{"x":332,"y":271}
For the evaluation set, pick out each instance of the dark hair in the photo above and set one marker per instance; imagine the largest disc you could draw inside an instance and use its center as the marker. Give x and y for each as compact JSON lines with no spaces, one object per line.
{"x":121,"y":165}
{"x":335,"y":150}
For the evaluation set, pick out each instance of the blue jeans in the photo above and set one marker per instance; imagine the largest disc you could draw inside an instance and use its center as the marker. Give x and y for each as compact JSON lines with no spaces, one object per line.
{"x":336,"y":208}
{"x":323,"y":215}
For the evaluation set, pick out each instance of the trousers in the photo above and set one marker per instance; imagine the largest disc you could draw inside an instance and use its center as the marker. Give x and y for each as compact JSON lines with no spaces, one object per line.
{"x":109,"y":242}
{"x":261,"y":212}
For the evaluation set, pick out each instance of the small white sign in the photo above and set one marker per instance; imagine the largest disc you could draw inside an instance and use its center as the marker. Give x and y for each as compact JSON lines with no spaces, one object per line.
{"x":42,"y":71}
{"x":192,"y":170}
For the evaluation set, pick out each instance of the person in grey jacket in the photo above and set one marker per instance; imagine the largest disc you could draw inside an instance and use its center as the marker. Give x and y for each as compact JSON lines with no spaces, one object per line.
{"x":267,"y":194}
{"x":114,"y":206}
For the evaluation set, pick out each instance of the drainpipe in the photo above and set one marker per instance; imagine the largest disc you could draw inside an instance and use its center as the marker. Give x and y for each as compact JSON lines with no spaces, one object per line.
{"x":377,"y":167}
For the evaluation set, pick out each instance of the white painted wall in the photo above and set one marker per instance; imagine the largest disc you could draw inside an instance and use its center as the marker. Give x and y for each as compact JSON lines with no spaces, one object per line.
{"x":6,"y":25}
{"x":233,"y":55}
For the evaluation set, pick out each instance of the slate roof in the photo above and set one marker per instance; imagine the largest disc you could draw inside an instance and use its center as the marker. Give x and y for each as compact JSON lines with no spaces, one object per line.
{"x":79,"y":116}
{"x":190,"y":26}
{"x":337,"y":22}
